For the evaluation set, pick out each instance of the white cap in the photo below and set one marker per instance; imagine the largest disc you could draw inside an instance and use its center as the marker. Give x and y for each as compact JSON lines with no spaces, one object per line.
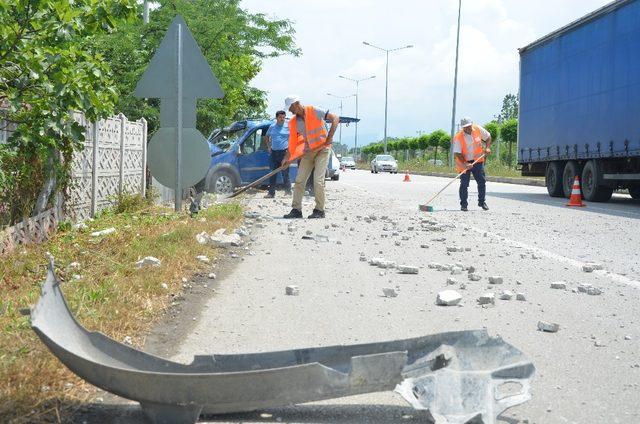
{"x":290,"y":99}
{"x":465,"y":122}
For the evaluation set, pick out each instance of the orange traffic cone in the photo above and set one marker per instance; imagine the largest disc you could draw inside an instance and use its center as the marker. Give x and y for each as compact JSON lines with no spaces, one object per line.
{"x":576,"y":197}
{"x":407,"y":179}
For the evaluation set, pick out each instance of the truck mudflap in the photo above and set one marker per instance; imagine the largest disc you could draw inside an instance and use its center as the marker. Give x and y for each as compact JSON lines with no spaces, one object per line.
{"x":458,"y":377}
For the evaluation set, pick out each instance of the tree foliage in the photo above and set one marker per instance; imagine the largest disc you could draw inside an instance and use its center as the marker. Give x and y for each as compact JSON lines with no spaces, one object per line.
{"x":509,"y":107}
{"x":233,"y":40}
{"x":493,"y":128}
{"x":46,"y":74}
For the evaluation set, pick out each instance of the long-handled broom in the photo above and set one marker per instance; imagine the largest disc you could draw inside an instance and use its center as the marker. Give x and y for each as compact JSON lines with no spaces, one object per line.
{"x":426,"y":207}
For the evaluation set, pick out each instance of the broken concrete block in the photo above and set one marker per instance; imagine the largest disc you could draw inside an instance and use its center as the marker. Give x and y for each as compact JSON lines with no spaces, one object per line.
{"x":212,"y":276}
{"x":454,"y":249}
{"x":588,"y":268}
{"x":292,"y":291}
{"x":407,"y":269}
{"x":548,"y":327}
{"x":203,"y":258}
{"x":471,"y":269}
{"x":220,"y":239}
{"x":148,"y":261}
{"x":589,"y":289}
{"x":389,"y":292}
{"x":456,"y":271}
{"x":521,"y":296}
{"x":560,"y":285}
{"x":448,"y":298}
{"x":386,"y":264}
{"x":104,"y":232}
{"x":495,"y":280}
{"x":474,"y":277}
{"x":375,"y":261}
{"x":593,"y":265}
{"x":486,"y":299}
{"x":506,"y":295}
{"x":434,"y":265}
{"x":202,"y":238}
{"x":452,"y":281}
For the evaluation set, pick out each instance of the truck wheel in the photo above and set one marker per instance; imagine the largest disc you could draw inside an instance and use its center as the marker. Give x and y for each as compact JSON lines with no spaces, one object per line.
{"x":591,"y":184}
{"x":634,"y":191}
{"x":571,"y":169}
{"x":553,"y":179}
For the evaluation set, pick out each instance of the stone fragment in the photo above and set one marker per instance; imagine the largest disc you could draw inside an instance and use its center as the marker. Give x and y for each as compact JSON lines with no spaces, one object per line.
{"x":456,"y":271}
{"x":81,"y":226}
{"x":560,"y":285}
{"x":589,"y":289}
{"x":588,"y":268}
{"x":148,"y":261}
{"x":220,"y":239}
{"x":104,"y":232}
{"x":506,"y":295}
{"x":164,"y":286}
{"x":474,"y":277}
{"x":471,"y":269}
{"x":203,"y":258}
{"x":212,"y":276}
{"x":292,"y":291}
{"x":448,"y":298}
{"x":495,"y":280}
{"x":452,"y":281}
{"x":548,"y":327}
{"x":202,"y":238}
{"x":434,"y":265}
{"x":521,"y":296}
{"x":486,"y":299}
{"x":454,"y":249}
{"x":407,"y":269}
{"x":389,"y":292}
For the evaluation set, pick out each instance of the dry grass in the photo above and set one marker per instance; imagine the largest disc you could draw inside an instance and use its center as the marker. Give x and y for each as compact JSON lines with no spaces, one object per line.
{"x":106,"y":292}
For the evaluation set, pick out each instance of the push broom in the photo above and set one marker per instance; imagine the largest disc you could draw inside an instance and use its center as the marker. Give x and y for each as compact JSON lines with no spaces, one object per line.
{"x":426,"y":207}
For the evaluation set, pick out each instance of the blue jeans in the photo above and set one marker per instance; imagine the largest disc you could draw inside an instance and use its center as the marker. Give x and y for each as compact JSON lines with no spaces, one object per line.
{"x":478,"y":175}
{"x":276,"y":161}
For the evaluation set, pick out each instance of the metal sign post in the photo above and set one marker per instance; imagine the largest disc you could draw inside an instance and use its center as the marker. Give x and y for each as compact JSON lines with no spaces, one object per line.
{"x":178,"y":74}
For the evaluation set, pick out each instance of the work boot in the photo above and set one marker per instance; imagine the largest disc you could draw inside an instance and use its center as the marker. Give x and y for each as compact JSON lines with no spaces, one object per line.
{"x":464,"y":209}
{"x":316,"y":214}
{"x":484,"y":206}
{"x":270,"y":196}
{"x":295,"y":213}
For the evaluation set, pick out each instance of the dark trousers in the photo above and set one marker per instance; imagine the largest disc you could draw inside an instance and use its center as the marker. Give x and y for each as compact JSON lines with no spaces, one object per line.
{"x":276,"y":161}
{"x":478,"y":175}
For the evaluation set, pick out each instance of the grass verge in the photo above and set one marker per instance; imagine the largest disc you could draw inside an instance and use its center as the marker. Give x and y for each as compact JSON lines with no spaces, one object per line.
{"x":104,"y":290}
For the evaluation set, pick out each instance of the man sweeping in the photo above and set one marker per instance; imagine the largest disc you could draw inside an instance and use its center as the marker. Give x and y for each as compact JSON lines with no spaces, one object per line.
{"x":468,"y":148}
{"x":309,"y":139}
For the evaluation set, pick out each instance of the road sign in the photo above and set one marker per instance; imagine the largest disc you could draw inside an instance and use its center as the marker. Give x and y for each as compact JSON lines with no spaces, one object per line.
{"x":178,"y":154}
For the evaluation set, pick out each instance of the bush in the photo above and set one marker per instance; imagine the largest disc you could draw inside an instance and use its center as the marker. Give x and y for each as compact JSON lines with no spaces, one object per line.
{"x":129,"y":203}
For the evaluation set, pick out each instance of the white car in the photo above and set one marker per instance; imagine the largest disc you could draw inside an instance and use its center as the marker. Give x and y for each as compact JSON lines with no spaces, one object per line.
{"x":333,"y":167}
{"x":384,"y":163}
{"x":348,"y":162}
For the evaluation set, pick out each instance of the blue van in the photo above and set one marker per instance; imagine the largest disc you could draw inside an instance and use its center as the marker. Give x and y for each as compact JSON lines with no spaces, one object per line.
{"x":239,"y":156}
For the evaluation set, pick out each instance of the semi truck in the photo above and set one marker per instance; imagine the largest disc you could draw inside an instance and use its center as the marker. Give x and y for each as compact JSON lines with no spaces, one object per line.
{"x":579,"y":109}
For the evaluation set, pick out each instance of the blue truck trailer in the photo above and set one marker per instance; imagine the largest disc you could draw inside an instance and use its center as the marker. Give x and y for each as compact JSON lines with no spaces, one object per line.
{"x":579,"y":111}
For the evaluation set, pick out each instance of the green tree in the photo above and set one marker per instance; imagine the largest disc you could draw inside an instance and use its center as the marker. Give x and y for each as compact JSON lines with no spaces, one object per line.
{"x":509,"y":107}
{"x":47,"y":73}
{"x":234,"y":41}
{"x":493,"y":128}
{"x":509,"y":134}
{"x":445,"y":143}
{"x":414,"y":144}
{"x":434,"y":141}
{"x":423,"y":142}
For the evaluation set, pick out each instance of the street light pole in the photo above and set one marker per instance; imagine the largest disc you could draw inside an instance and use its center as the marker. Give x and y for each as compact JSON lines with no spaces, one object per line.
{"x":357,"y":81}
{"x":386,"y":84}
{"x":455,"y":88}
{"x":341,"y":98}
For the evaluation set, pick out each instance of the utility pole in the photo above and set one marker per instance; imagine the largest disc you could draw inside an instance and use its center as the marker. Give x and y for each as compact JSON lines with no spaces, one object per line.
{"x":145,"y":12}
{"x":386,"y":84}
{"x":357,"y":81}
{"x":455,"y":88}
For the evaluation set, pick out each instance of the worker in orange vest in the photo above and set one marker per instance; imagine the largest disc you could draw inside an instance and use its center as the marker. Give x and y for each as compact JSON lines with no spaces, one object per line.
{"x":467,"y":149}
{"x":309,"y":140}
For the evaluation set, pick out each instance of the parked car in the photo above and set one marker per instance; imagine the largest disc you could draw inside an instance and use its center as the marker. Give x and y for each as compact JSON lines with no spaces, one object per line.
{"x":239,"y":156}
{"x":333,"y":167}
{"x":348,"y":162}
{"x":384,"y":163}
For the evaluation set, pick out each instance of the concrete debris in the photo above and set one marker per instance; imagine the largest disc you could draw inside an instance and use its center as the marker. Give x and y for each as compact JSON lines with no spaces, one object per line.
{"x":474,"y":277}
{"x":203,"y":258}
{"x":487,"y":298}
{"x":434,"y":265}
{"x":463,"y":286}
{"x":424,"y":246}
{"x":560,"y":285}
{"x":506,"y":295}
{"x":104,"y":232}
{"x":448,"y":298}
{"x":521,"y":296}
{"x":318,"y":238}
{"x":251,"y":215}
{"x":148,"y":261}
{"x":455,"y":249}
{"x":548,"y":327}
{"x":589,"y":289}
{"x":389,"y":292}
{"x":598,"y":343}
{"x":292,"y":291}
{"x":452,"y":281}
{"x":81,"y":226}
{"x":588,"y":268}
{"x":74,"y":265}
{"x":445,"y":267}
{"x":220,"y":239}
{"x":456,"y":271}
{"x":495,"y":280}
{"x":202,"y":238}
{"x":164,"y":286}
{"x":407,"y":269}
{"x":471,"y":269}
{"x":212,"y":276}
{"x":627,"y":337}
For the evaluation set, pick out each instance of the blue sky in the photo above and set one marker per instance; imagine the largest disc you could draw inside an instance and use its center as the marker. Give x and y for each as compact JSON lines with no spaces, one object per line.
{"x":330,"y":34}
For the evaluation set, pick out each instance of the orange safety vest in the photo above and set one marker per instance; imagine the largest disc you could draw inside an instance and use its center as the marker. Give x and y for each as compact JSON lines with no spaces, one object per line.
{"x":316,"y":133}
{"x":478,"y":150}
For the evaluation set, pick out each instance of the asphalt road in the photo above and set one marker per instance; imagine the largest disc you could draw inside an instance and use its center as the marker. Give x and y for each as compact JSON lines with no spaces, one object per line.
{"x":588,"y":372}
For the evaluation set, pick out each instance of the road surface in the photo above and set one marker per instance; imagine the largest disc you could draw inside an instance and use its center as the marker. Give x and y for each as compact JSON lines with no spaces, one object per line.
{"x":588,"y":372}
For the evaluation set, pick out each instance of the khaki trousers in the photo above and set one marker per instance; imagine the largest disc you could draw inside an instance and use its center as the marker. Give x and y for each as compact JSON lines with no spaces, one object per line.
{"x":317,"y":161}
